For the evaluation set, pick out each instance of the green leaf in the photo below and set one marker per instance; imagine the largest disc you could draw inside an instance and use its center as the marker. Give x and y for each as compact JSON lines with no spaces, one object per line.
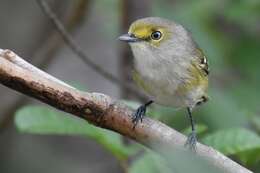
{"x":249,"y":158}
{"x":149,"y":163}
{"x":233,"y":141}
{"x":174,"y":160}
{"x":41,"y":120}
{"x":200,"y":128}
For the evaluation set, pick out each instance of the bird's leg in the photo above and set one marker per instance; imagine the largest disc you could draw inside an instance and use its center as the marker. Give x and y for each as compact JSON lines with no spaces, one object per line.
{"x":139,"y":113}
{"x":192,"y":139}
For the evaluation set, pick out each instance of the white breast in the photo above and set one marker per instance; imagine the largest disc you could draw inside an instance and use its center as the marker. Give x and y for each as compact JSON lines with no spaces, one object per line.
{"x":162,"y":74}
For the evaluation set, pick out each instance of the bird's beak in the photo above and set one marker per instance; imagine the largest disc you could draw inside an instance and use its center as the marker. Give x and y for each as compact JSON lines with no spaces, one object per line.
{"x":128,"y":38}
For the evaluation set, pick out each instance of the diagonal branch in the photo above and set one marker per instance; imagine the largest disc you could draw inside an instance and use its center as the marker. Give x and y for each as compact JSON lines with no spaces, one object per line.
{"x":98,"y":109}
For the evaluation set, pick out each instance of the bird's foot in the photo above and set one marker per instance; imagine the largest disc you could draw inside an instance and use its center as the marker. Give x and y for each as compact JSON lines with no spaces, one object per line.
{"x":191,"y":141}
{"x":138,"y":115}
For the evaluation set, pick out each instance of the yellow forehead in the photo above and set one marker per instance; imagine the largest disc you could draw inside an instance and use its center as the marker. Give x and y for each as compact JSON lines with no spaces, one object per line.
{"x":144,"y":30}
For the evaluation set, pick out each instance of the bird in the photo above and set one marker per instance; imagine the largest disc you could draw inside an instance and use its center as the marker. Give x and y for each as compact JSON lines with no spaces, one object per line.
{"x":169,"y":67}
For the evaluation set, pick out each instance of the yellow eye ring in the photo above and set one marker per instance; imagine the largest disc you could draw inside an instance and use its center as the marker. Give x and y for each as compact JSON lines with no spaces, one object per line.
{"x":156,"y":35}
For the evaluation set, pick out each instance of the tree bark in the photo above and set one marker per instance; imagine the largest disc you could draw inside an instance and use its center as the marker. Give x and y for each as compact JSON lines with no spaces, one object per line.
{"x":98,"y":109}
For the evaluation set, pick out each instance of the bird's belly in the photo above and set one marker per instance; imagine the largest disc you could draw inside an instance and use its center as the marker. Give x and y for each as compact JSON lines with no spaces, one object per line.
{"x":162,"y":90}
{"x":166,"y":94}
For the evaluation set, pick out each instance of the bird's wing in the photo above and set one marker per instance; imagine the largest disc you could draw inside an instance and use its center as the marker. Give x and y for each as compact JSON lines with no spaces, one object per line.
{"x":201,"y":61}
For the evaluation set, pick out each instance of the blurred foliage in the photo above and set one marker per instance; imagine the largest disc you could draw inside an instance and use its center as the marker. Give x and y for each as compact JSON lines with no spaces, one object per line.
{"x":42,"y":120}
{"x":150,"y":162}
{"x":200,"y":129}
{"x":228,"y":31}
{"x":232,"y":141}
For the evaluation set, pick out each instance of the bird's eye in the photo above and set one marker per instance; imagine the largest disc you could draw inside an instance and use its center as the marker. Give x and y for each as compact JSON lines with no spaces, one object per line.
{"x":156,"y":35}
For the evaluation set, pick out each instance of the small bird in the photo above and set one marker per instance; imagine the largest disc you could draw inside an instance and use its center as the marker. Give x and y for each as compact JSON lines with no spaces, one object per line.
{"x":169,"y":66}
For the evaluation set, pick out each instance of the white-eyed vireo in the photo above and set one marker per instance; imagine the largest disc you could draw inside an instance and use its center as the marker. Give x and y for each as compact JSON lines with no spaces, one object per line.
{"x":169,"y":66}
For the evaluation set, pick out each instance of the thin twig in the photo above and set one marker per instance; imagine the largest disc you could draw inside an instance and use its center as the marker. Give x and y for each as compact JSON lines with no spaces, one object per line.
{"x":80,"y":53}
{"x":101,"y":110}
{"x":46,"y":53}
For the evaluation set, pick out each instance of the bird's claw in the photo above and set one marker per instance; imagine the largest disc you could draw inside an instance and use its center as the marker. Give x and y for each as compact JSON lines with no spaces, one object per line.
{"x":191,"y":141}
{"x":138,"y":115}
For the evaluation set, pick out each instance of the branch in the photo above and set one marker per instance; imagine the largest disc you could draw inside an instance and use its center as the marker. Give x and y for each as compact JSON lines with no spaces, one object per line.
{"x":80,"y":53}
{"x":98,"y":109}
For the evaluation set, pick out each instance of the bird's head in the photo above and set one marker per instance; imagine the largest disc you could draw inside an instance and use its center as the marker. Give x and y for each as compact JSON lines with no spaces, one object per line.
{"x":151,"y":31}
{"x":154,"y":36}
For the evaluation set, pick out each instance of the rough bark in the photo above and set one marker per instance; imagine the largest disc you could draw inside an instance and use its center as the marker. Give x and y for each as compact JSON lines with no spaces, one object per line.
{"x":98,"y":109}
